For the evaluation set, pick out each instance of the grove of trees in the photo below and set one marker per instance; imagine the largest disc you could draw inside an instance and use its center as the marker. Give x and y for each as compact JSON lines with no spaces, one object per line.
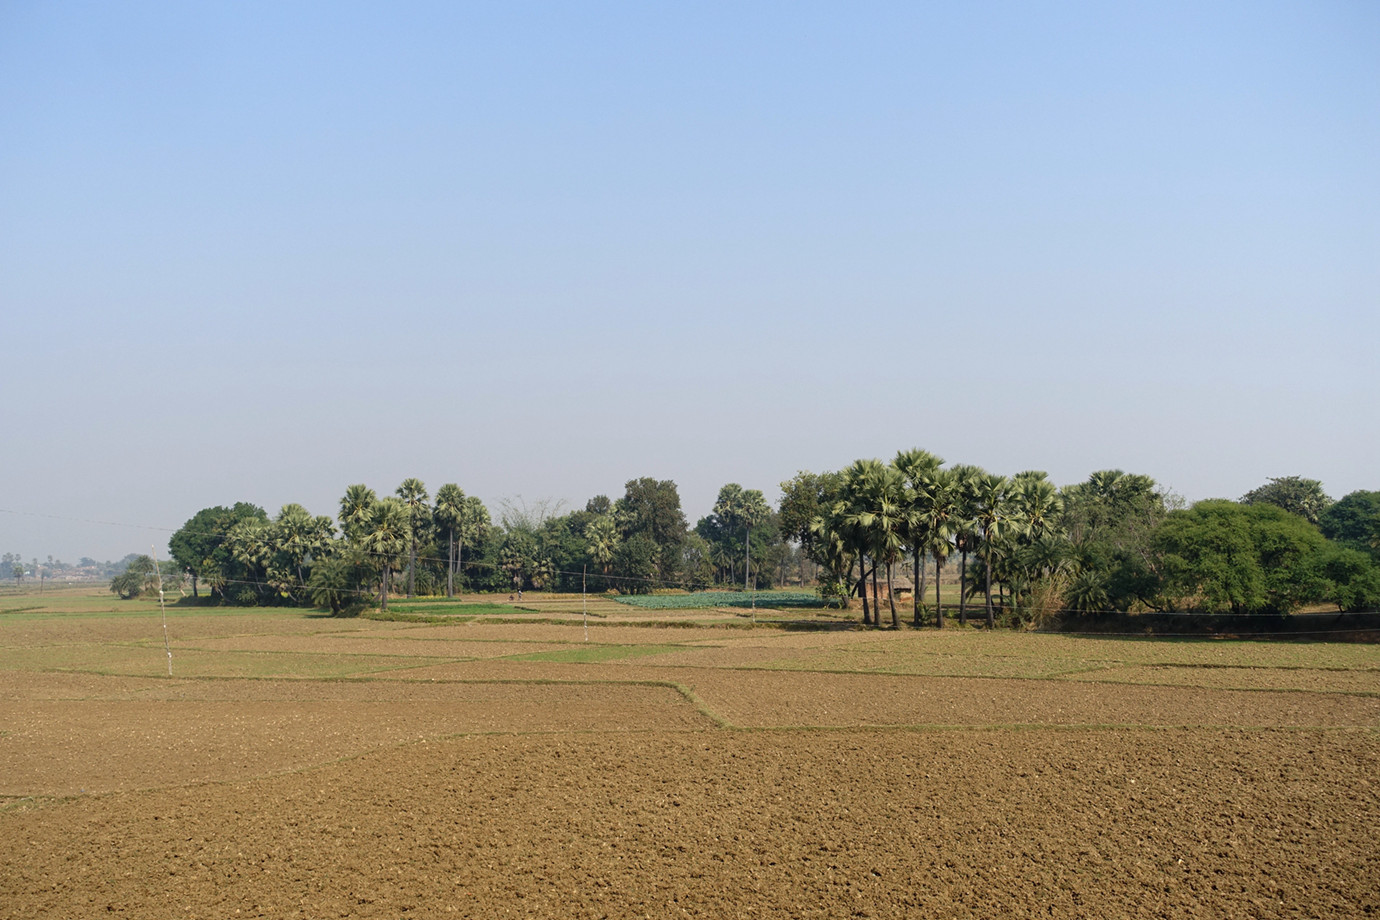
{"x":1007,"y":548}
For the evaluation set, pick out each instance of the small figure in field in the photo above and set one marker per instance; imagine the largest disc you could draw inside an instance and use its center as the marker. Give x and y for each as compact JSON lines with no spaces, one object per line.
{"x":510,"y":597}
{"x":519,"y":594}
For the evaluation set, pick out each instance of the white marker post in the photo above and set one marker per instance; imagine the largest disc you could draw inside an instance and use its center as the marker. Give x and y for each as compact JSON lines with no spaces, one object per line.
{"x":166,"y":647}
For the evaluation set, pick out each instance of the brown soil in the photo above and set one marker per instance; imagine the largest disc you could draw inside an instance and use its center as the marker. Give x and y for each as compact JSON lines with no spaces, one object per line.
{"x":696,"y":782}
{"x":627,"y":802}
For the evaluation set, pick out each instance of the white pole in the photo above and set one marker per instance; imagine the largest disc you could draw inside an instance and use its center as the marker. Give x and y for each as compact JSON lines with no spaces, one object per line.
{"x":584,"y":605}
{"x":166,"y":647}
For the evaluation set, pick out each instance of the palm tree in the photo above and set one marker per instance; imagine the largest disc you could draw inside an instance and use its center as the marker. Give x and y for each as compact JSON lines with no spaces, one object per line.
{"x":856,"y":521}
{"x":1037,"y":507}
{"x":965,"y":528}
{"x":918,"y":469}
{"x":387,"y":535}
{"x":830,"y":543}
{"x":449,"y":514}
{"x":996,"y":522}
{"x":878,"y":516}
{"x":355,"y":508}
{"x":414,"y":497}
{"x":942,"y":526}
{"x":294,"y":535}
{"x":746,"y":508}
{"x":334,"y":581}
{"x":601,"y":539}
{"x":475,"y":524}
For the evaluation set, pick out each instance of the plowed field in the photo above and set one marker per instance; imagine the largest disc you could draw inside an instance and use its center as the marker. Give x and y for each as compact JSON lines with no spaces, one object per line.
{"x":313,"y":768}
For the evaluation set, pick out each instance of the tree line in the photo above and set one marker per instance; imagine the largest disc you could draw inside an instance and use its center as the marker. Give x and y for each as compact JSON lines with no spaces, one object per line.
{"x":1020,"y":547}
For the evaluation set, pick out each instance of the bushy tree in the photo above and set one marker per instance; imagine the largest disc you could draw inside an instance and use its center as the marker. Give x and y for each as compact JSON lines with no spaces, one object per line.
{"x":1354,"y":522}
{"x":139,"y":577}
{"x":200,"y":547}
{"x":1352,"y":578}
{"x":1222,"y":556}
{"x":1304,"y":497}
{"x":1110,"y":521}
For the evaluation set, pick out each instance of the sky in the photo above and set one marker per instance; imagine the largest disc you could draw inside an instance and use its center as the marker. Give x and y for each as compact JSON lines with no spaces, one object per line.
{"x":261,"y":251}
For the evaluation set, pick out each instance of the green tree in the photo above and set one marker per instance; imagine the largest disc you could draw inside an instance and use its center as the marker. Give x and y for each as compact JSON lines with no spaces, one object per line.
{"x":742,"y":508}
{"x":356,"y":509}
{"x":414,"y":497}
{"x":335,"y":581}
{"x":1221,"y":556}
{"x":943,"y":512}
{"x":139,"y":577}
{"x":1351,"y":576}
{"x":877,"y":520}
{"x":387,"y":534}
{"x":652,"y":507}
{"x":967,"y":528}
{"x":919,"y":470}
{"x":635,"y":564}
{"x":602,"y":539}
{"x":449,"y":517}
{"x":1304,"y":497}
{"x":1110,"y":521}
{"x":996,"y":522}
{"x":1355,"y":522}
{"x":199,"y":545}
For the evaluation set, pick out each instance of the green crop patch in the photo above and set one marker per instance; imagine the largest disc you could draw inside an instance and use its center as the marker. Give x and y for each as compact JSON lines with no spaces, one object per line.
{"x":700,"y":600}
{"x":592,"y":654}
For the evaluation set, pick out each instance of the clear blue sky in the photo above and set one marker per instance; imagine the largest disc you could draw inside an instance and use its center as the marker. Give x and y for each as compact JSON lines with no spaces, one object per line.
{"x":260,"y":251}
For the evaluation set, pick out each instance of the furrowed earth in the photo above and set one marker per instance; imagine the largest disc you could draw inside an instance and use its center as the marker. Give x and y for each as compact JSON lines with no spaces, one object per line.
{"x":302,"y":766}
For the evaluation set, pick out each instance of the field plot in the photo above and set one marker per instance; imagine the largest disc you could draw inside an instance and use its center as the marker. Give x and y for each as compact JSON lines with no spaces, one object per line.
{"x":302,"y":766}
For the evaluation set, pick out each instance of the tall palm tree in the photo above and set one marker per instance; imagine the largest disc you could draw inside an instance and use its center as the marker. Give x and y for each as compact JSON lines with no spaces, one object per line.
{"x":996,"y":522}
{"x":449,"y":514}
{"x":965,"y":527}
{"x":918,"y":469}
{"x":475,"y":525}
{"x":942,"y":526}
{"x":871,"y":519}
{"x":881,"y":516}
{"x":414,"y":497}
{"x":1037,"y":508}
{"x":745,"y":508}
{"x":385,"y":538}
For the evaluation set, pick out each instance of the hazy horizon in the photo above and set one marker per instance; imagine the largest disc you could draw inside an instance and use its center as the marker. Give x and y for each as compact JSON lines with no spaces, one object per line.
{"x":258,"y":252}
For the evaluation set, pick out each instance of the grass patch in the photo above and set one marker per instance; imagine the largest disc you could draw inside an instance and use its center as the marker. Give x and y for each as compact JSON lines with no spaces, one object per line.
{"x":771,"y":600}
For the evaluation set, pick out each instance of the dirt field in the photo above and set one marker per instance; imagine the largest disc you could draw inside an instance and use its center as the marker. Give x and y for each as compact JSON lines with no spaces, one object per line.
{"x":305,"y":767}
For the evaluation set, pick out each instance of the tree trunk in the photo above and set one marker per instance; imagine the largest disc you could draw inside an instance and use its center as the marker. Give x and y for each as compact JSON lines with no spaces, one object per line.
{"x":383,"y":588}
{"x":891,"y":598}
{"x":938,"y":610}
{"x":412,"y":566}
{"x":194,"y":594}
{"x":917,"y":584}
{"x":987,"y":589}
{"x":962,"y":594}
{"x":450,"y":567}
{"x":876,"y":599}
{"x":862,"y":587}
